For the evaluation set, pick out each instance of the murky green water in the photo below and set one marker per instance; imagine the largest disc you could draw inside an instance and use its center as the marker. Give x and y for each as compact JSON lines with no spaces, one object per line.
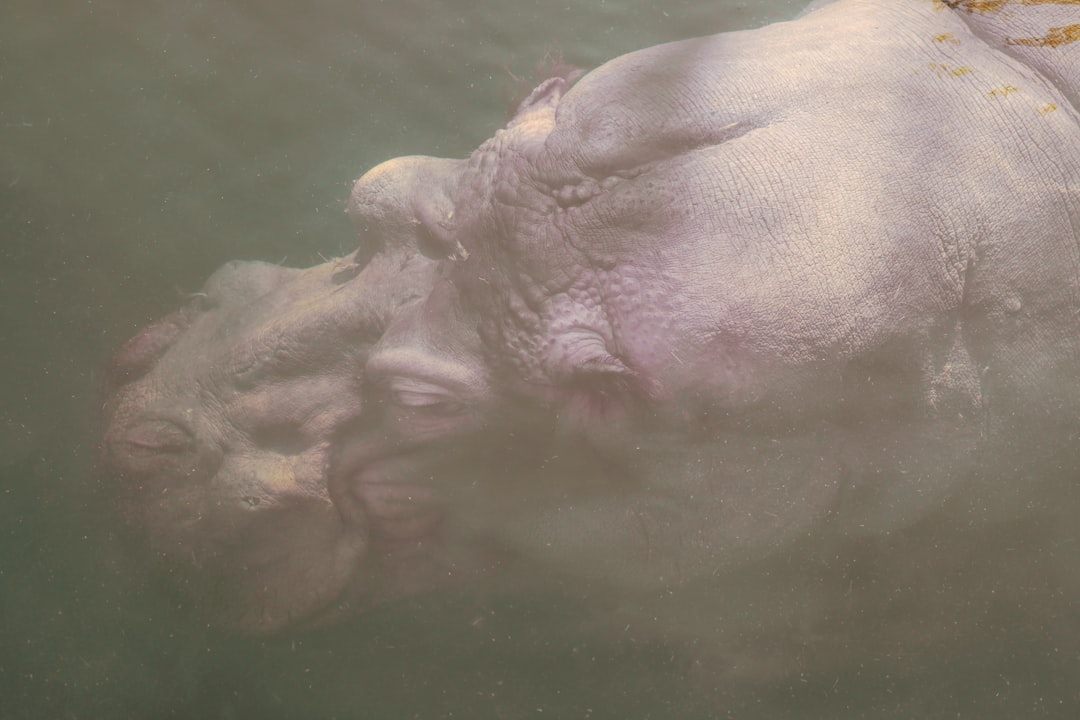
{"x":142,"y":145}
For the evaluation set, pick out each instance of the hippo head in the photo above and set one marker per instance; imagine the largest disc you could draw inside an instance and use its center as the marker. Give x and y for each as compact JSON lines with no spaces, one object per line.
{"x":218,"y":426}
{"x":435,"y":425}
{"x":775,"y":312}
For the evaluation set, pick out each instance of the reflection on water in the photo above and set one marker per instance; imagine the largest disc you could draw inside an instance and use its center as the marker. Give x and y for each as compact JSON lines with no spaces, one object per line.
{"x":144,"y":145}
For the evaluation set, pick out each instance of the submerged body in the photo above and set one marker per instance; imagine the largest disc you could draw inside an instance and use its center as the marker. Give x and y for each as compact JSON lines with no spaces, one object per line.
{"x":797,"y":284}
{"x":727,"y":312}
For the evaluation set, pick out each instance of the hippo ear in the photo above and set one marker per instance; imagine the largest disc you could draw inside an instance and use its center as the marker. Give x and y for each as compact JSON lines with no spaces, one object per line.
{"x":139,"y":354}
{"x":546,"y":95}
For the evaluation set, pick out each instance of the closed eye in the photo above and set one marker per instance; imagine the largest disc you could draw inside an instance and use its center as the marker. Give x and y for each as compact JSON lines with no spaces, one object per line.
{"x":156,"y":436}
{"x":422,"y":395}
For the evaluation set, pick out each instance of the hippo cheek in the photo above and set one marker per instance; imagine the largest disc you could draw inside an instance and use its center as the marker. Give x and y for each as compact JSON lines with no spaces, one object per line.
{"x":269,"y":548}
{"x":251,"y":540}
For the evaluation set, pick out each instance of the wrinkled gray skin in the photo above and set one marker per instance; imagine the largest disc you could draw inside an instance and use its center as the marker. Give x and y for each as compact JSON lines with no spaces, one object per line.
{"x":722,"y":298}
{"x":795,"y":285}
{"x":218,"y":427}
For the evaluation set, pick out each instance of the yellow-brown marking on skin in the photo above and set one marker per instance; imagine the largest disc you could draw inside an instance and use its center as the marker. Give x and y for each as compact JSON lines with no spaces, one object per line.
{"x":946,"y":38}
{"x":282,"y":477}
{"x":1004,"y":90}
{"x":942,"y":69}
{"x":993,"y":6}
{"x":1047,"y":109}
{"x":1055,"y":37}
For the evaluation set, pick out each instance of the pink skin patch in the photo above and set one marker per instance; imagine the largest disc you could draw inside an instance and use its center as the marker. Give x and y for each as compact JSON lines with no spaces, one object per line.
{"x":139,"y":354}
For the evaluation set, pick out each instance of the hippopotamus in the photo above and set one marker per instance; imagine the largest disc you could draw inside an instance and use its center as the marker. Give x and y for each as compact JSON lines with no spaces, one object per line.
{"x":219,"y":423}
{"x":791,"y":287}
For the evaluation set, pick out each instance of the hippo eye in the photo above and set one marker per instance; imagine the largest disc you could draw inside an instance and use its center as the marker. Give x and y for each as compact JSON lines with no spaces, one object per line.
{"x":421,"y":395}
{"x":157,"y":435}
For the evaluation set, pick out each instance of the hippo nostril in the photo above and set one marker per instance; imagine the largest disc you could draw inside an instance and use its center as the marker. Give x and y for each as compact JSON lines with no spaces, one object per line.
{"x":435,"y":236}
{"x":438,"y":243}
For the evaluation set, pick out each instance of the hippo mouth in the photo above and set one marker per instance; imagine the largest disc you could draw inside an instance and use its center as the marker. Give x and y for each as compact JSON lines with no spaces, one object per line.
{"x":397,"y":513}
